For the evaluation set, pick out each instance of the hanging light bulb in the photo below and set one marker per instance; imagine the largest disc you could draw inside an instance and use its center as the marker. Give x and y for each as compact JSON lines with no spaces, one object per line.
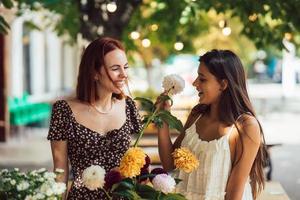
{"x":253,"y":17}
{"x":178,"y":46}
{"x":226,"y":31}
{"x":146,"y":42}
{"x":154,"y":27}
{"x":111,"y":7}
{"x":83,"y":2}
{"x":222,"y":23}
{"x":134,"y":35}
{"x":85,"y":17}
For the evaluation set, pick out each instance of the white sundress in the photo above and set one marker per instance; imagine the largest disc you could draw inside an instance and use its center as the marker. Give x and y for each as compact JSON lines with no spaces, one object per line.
{"x":208,"y":181}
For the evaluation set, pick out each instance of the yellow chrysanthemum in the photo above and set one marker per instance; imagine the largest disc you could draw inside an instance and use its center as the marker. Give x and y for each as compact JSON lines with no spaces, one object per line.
{"x":132,"y":162}
{"x":185,"y":160}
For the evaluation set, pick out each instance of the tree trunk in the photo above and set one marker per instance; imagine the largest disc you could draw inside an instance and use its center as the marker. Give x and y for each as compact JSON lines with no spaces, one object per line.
{"x":3,"y":100}
{"x":99,"y":22}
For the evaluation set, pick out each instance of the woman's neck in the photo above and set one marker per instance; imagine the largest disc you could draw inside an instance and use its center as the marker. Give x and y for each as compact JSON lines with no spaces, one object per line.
{"x":214,"y":112}
{"x":104,"y":100}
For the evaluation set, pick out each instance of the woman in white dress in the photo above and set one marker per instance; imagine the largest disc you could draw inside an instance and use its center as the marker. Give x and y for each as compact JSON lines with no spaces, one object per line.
{"x":222,"y":131}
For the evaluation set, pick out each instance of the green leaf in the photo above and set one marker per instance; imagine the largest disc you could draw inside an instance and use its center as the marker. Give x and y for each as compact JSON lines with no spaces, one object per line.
{"x":7,"y":3}
{"x":31,"y":26}
{"x":147,"y":104}
{"x":123,"y":185}
{"x":147,"y":192}
{"x":173,"y":196}
{"x":173,"y":122}
{"x":3,"y":30}
{"x":132,"y":195}
{"x":165,"y":98}
{"x":177,"y":180}
{"x":158,"y":122}
{"x":147,"y":176}
{"x":3,"y":22}
{"x":3,"y":25}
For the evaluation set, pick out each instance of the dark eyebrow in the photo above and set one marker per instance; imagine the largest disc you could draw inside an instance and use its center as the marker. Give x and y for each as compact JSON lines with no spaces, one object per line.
{"x":115,"y":65}
{"x":200,"y":74}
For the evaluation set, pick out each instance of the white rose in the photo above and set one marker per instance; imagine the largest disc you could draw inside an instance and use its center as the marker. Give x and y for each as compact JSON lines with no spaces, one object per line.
{"x":13,"y":182}
{"x":164,"y":183}
{"x":22,"y":186}
{"x":52,"y":198}
{"x":41,"y":170}
{"x":49,"y":175}
{"x":93,"y":177}
{"x":41,"y":179}
{"x":33,"y":173}
{"x":39,"y":196}
{"x":59,"y":188}
{"x":44,"y":188}
{"x":7,"y":179}
{"x":29,"y":197}
{"x":173,"y":84}
{"x":49,"y":192}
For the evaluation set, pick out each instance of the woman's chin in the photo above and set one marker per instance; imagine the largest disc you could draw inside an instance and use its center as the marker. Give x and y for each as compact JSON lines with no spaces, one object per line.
{"x":118,"y":91}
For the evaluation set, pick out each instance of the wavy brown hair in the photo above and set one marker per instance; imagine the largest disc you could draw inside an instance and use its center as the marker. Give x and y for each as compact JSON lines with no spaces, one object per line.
{"x":91,"y":62}
{"x":224,"y":64}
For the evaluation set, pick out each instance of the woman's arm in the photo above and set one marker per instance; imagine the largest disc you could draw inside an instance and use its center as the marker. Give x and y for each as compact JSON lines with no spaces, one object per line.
{"x":244,"y":157}
{"x":60,"y":160}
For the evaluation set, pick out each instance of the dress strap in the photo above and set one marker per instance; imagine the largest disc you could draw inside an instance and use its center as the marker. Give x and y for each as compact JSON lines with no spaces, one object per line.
{"x":230,"y":130}
{"x":198,"y":118}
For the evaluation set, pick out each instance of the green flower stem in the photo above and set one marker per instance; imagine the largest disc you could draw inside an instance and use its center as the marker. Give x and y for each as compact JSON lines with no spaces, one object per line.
{"x":145,"y":126}
{"x":107,"y":195}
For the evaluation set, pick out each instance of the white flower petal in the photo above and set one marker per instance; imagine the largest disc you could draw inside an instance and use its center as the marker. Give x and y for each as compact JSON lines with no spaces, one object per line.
{"x":164,"y":183}
{"x":93,"y":177}
{"x":173,"y":84}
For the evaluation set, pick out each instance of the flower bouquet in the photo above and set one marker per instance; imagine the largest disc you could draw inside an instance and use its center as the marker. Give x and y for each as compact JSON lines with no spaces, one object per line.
{"x":132,"y":179}
{"x":33,"y":185}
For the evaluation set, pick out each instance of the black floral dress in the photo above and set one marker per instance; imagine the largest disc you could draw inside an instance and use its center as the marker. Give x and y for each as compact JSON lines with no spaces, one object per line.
{"x":87,"y":147}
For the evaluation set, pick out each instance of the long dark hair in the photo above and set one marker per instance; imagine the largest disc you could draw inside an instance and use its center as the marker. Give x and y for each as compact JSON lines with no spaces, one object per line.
{"x":91,"y":62}
{"x":224,"y":64}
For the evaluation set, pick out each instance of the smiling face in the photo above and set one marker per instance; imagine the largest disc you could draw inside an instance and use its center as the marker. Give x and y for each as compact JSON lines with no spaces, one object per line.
{"x":115,"y":76}
{"x":208,"y":87}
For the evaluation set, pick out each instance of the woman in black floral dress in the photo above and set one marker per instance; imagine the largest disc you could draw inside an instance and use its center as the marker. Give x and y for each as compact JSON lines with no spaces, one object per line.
{"x":94,"y":128}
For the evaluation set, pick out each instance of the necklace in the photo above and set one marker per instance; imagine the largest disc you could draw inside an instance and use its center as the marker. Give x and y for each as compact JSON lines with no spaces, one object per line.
{"x":101,"y":111}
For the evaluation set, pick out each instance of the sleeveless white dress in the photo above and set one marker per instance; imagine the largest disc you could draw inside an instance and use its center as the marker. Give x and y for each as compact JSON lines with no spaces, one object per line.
{"x":208,"y":181}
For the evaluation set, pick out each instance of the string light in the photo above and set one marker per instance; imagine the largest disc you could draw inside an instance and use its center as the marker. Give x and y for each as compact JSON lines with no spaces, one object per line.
{"x":178,"y":46}
{"x":266,"y":7}
{"x":100,"y":30}
{"x":253,"y":17}
{"x":226,"y":31}
{"x":134,"y":35}
{"x":146,"y":43}
{"x":111,"y":7}
{"x":83,"y":2}
{"x":154,"y":27}
{"x":222,"y":23}
{"x":85,"y":17}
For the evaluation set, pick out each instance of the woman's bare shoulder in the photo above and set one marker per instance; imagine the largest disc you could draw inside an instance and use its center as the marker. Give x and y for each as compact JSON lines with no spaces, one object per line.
{"x":249,"y":127}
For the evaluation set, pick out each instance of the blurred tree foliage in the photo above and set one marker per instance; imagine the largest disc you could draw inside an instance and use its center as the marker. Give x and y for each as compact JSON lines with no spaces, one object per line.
{"x":264,"y":22}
